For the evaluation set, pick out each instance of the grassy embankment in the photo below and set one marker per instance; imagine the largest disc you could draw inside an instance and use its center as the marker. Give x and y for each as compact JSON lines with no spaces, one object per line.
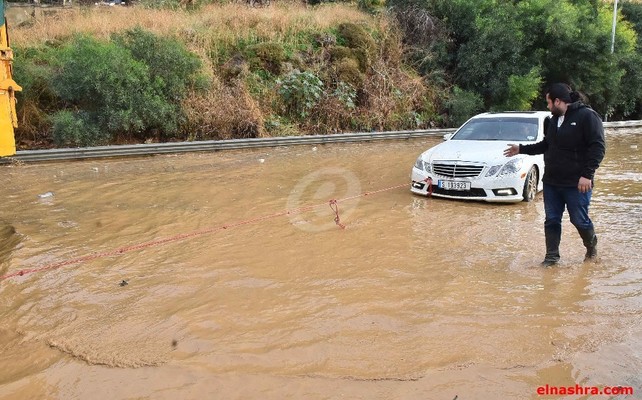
{"x":355,"y":81}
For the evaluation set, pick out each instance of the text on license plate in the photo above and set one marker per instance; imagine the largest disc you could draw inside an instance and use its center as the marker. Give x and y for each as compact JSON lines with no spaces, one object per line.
{"x":454,"y":185}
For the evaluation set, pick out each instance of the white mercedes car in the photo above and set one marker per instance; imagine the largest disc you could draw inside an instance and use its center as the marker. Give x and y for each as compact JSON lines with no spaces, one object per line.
{"x":471,"y":164}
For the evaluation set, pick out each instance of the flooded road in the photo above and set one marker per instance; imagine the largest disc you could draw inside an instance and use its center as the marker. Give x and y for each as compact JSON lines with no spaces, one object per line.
{"x":225,"y":295}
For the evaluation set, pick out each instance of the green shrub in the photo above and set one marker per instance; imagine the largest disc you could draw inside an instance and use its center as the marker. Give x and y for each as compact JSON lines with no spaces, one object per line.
{"x":408,"y":120}
{"x":115,"y":90}
{"x":364,"y":59}
{"x":166,"y":58}
{"x":300,"y":92}
{"x":347,"y":70}
{"x":131,"y":86}
{"x":355,"y":36}
{"x":277,"y":126}
{"x":269,"y":56}
{"x":346,"y":95}
{"x":337,"y":53}
{"x":32,"y":68}
{"x":76,"y":129}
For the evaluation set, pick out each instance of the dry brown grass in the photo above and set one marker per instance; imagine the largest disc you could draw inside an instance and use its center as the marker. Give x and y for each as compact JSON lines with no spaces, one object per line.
{"x":389,"y":94}
{"x":227,"y":111}
{"x":204,"y":29}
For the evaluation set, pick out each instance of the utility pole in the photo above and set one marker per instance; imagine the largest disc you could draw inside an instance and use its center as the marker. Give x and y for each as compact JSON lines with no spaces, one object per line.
{"x":614,"y":23}
{"x":606,"y":115}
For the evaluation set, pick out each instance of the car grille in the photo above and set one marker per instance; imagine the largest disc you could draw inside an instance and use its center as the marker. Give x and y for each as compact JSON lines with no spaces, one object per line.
{"x":457,"y":193}
{"x":455,"y":170}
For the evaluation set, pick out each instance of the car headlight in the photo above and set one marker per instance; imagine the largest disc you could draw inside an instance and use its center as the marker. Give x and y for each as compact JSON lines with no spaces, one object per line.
{"x":422,"y":165}
{"x":493,"y":170}
{"x":511,"y":167}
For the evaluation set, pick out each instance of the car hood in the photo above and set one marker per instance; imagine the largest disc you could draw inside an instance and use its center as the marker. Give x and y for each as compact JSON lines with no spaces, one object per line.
{"x":481,"y":151}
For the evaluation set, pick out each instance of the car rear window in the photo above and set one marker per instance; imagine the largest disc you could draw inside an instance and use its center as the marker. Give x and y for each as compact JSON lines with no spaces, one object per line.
{"x":508,"y":128}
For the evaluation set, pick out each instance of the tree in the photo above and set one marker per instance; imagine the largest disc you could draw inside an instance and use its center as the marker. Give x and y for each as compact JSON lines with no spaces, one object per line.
{"x":504,"y":50}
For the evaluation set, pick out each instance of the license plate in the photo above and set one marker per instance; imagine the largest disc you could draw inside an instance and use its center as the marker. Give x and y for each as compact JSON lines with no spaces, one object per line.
{"x":454,"y":185}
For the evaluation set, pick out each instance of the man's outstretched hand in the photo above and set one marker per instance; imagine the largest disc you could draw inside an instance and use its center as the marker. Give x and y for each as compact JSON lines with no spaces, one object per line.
{"x":512,"y":150}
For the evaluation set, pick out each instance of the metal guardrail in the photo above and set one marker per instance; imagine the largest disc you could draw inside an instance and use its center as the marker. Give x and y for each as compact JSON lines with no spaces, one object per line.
{"x":232,"y":144}
{"x":209,"y":145}
{"x":623,"y":124}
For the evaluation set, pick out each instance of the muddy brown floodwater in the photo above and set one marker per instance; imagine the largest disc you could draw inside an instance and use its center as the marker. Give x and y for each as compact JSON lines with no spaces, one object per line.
{"x":418,"y":298}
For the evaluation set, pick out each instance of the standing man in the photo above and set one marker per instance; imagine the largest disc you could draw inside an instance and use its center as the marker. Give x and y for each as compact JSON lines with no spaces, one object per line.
{"x":573,"y":149}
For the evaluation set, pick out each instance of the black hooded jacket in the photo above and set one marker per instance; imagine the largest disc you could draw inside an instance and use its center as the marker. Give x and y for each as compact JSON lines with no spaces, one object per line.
{"x":573,"y":150}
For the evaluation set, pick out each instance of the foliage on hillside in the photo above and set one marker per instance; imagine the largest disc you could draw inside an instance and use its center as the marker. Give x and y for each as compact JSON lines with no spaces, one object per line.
{"x":508,"y":50}
{"x":177,"y":70}
{"x":224,"y":71}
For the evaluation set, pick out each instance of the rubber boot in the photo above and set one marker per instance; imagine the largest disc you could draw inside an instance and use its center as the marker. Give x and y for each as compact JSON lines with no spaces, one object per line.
{"x":553,"y":236}
{"x":590,"y":242}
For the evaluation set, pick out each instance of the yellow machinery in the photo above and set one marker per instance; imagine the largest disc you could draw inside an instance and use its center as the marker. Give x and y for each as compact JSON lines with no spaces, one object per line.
{"x":8,"y":87}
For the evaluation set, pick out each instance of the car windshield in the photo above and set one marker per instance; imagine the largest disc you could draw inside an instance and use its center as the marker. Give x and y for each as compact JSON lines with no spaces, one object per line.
{"x":505,"y":128}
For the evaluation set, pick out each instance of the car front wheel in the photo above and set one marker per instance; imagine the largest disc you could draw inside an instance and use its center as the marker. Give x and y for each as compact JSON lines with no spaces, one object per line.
{"x":530,"y":185}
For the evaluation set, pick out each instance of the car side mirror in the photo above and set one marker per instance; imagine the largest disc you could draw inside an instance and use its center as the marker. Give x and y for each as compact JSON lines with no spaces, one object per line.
{"x":448,"y":136}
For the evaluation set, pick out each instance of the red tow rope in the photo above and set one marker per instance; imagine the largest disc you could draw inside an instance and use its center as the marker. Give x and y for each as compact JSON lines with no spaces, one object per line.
{"x":334,"y":204}
{"x":429,"y":182}
{"x":335,"y":207}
